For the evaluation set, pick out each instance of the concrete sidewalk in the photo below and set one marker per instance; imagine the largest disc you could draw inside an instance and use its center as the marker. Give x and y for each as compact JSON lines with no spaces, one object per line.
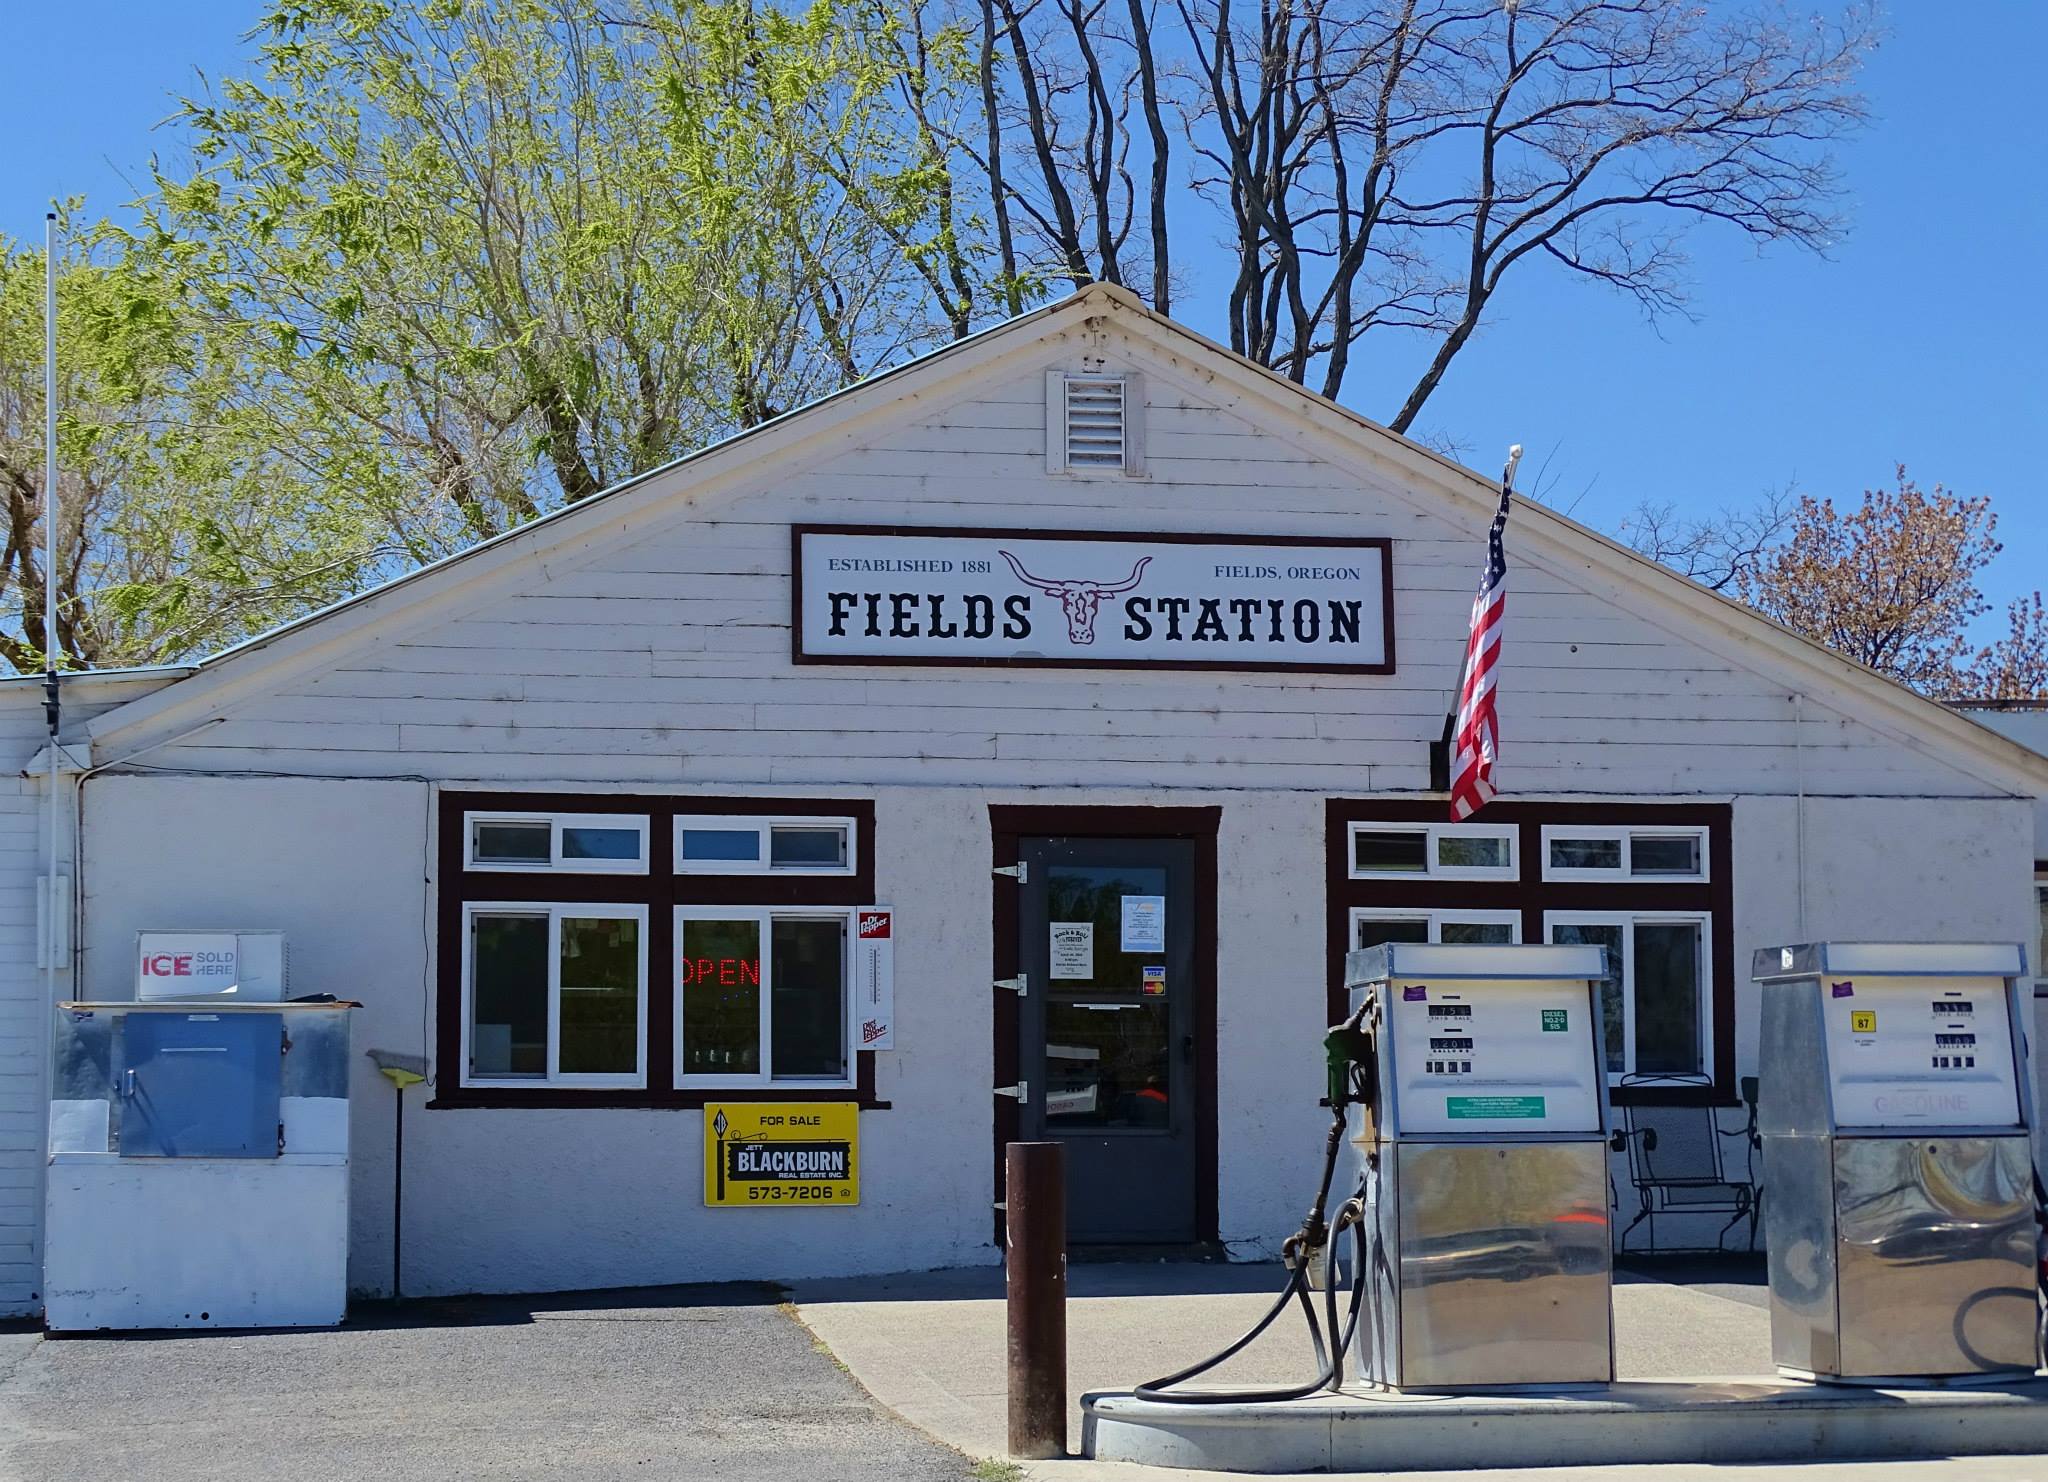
{"x":930,"y":1345}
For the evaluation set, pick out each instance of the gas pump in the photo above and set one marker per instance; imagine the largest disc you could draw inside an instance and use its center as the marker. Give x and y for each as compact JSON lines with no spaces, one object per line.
{"x":1469,"y":1113}
{"x":1482,"y":1162}
{"x":1900,"y":1196}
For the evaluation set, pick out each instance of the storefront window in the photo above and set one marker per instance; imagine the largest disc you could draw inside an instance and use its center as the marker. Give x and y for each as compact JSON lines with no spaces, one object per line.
{"x":1654,"y":998}
{"x":557,"y":994}
{"x":720,"y":964}
{"x":572,"y":843}
{"x":730,"y":1031}
{"x":709,"y":845}
{"x":1648,"y":882}
{"x":1372,"y":928}
{"x":1445,"y":851}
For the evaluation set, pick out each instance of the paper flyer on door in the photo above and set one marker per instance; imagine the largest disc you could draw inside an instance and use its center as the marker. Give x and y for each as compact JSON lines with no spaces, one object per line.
{"x":874,"y":976}
{"x":1073,"y":949}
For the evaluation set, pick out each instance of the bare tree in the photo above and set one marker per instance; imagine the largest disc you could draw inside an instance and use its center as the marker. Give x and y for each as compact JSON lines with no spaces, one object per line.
{"x":1385,"y":164}
{"x":1720,"y":551}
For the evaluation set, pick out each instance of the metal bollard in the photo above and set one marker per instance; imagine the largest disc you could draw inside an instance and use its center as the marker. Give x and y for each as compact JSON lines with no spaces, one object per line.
{"x":1035,"y":1263}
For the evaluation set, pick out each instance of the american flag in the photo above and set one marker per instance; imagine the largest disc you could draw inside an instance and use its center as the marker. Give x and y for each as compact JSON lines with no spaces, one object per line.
{"x":1475,"y":740}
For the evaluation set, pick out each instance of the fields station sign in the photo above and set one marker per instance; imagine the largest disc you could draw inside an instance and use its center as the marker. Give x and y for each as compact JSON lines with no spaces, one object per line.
{"x":869,"y":595}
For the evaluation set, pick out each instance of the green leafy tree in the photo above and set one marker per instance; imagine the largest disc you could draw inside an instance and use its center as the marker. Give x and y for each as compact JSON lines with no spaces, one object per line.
{"x":499,"y":257}
{"x":181,"y":529}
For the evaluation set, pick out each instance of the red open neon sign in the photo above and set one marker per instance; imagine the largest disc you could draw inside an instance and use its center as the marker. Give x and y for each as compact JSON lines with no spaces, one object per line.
{"x":728,"y":972}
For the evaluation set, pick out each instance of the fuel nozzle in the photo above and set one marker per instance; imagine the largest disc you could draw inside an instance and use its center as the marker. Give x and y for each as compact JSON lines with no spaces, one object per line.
{"x":1347,"y":1045}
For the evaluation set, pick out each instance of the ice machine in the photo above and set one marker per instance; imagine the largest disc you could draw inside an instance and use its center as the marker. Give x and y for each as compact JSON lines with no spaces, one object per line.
{"x":1482,"y":1152}
{"x":198,"y":1165}
{"x":1898,"y":1200}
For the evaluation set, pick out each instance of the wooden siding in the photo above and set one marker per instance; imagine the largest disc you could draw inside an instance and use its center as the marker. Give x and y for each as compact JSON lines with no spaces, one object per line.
{"x":667,"y":660}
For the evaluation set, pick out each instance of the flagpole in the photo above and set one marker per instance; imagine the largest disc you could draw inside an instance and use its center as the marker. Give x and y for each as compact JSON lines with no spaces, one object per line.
{"x":1507,"y":486}
{"x":52,"y":646}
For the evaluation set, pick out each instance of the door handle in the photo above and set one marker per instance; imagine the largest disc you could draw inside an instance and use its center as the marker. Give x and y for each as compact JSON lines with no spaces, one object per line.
{"x":1187,"y":1047}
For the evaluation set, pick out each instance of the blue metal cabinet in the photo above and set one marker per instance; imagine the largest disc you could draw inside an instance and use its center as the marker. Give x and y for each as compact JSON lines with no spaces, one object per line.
{"x":199,"y":1085}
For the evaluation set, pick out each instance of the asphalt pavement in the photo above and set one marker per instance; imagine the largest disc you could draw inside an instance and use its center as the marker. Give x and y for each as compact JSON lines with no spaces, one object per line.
{"x":688,"y":1382}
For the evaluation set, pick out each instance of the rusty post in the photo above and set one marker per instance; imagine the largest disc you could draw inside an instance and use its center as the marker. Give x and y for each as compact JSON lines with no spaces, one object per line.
{"x":1035,"y":1191}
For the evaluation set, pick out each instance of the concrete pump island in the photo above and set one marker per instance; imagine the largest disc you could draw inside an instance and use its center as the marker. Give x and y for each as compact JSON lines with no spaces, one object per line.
{"x":1467,"y":1274}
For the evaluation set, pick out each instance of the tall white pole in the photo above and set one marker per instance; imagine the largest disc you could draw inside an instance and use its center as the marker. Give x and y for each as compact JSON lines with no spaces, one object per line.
{"x":52,"y":648}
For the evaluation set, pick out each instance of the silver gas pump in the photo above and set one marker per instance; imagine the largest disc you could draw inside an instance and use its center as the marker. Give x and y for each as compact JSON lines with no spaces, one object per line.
{"x":1482,"y":1155}
{"x":1899,"y":1196}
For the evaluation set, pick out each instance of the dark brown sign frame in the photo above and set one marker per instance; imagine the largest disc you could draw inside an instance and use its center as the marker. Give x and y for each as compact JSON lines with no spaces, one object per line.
{"x":1380,"y":543}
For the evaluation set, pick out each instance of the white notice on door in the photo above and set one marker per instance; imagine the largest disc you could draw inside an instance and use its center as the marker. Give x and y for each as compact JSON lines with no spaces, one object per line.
{"x":1073,"y":949}
{"x":1144,"y":923}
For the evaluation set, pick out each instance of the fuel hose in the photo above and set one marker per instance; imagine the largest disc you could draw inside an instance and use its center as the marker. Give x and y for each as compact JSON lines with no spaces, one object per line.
{"x":1331,"y":1332}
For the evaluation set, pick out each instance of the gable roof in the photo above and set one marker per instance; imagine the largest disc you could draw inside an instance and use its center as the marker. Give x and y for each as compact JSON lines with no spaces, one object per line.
{"x":260,"y":663}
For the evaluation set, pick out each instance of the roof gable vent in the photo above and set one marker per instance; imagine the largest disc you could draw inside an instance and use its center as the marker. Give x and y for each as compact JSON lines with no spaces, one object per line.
{"x":1091,"y":423}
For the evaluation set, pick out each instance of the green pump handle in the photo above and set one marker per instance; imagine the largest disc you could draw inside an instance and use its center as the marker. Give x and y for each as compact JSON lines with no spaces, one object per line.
{"x":1346,"y":1045}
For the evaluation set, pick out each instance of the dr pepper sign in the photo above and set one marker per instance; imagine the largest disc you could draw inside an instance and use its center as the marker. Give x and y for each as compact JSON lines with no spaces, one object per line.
{"x":874,"y":976}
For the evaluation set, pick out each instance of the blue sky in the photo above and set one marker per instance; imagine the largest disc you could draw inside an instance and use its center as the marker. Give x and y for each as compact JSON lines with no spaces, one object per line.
{"x":1920,"y":340}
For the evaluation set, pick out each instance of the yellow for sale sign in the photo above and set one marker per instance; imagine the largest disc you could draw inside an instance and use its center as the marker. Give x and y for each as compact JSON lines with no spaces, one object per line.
{"x":760,"y":1154}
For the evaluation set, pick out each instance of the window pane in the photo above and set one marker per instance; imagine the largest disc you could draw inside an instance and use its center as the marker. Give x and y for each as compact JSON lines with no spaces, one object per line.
{"x":508,"y":996}
{"x":1664,"y":854}
{"x":807,"y":847}
{"x":806,"y":1013}
{"x":1375,"y":930}
{"x":2040,"y":960}
{"x":514,"y":843}
{"x":600,"y":996}
{"x":1585,"y":854}
{"x":1484,"y":932}
{"x":1389,"y":850}
{"x":600,"y":843}
{"x":1668,"y":996}
{"x":1608,"y":935}
{"x":721,"y":978}
{"x":721,"y":845}
{"x":1460,"y":853}
{"x":1108,"y":1064}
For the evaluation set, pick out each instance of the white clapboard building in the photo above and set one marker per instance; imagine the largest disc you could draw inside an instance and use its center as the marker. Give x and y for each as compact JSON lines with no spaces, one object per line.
{"x":1109,"y":673}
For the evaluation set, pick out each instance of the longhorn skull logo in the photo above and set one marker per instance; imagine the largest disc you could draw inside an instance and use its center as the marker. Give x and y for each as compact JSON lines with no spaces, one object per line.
{"x":1079,"y":600}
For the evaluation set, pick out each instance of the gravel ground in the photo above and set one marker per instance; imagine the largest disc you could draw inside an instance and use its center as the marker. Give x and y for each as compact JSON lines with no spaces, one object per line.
{"x":687,"y":1382}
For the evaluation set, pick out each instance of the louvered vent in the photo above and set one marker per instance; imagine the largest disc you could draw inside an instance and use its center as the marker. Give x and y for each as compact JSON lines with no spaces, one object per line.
{"x":1095,"y":421}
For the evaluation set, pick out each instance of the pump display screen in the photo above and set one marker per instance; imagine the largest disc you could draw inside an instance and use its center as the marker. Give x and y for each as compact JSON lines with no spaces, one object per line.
{"x":1480,"y":1056}
{"x":1928,"y":1051}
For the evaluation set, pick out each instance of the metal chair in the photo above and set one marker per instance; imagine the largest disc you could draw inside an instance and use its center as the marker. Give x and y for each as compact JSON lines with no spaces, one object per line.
{"x":1676,"y":1164}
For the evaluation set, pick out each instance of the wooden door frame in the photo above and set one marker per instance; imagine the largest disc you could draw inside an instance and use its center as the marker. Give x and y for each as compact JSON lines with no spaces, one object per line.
{"x":1009,"y":824}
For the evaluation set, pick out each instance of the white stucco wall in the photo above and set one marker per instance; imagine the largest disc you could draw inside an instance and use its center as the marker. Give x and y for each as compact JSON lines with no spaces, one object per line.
{"x":25,"y":993}
{"x":554,"y":1199}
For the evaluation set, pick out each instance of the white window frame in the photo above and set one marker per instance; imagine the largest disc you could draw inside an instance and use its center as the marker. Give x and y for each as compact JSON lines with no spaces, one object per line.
{"x":764,"y":917}
{"x":1437,"y":920}
{"x":554,"y":912}
{"x":1628,"y":921}
{"x":2038,"y":957}
{"x":763,"y":826}
{"x":555,"y":864}
{"x":1432,"y":832}
{"x":1626,"y":835}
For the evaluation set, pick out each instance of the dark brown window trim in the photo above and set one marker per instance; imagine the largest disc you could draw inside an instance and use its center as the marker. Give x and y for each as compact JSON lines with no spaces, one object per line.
{"x":661,"y":890}
{"x":1533,"y":896}
{"x":1008,"y":823}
